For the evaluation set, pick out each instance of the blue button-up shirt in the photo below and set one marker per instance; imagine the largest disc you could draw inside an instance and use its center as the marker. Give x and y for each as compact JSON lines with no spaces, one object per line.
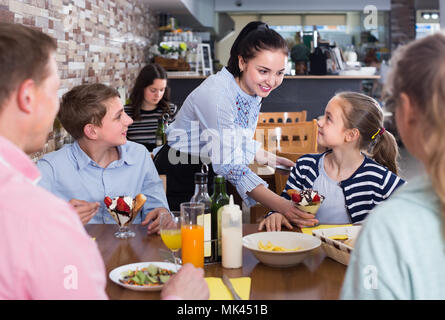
{"x":70,"y":173}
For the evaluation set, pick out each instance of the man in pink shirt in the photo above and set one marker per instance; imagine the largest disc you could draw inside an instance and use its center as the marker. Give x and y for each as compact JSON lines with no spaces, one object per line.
{"x":45,"y":251}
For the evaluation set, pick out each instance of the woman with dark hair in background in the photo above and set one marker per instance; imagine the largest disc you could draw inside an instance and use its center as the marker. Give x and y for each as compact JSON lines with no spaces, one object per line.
{"x":149,"y":101}
{"x":217,"y":122}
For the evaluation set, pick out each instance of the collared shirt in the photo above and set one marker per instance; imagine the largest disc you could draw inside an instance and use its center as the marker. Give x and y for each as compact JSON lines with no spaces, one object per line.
{"x":37,"y":233}
{"x":218,"y":121}
{"x":70,"y":173}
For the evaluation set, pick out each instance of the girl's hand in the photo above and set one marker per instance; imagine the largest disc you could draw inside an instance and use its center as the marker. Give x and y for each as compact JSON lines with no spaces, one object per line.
{"x":299,"y":218}
{"x":274,"y":223}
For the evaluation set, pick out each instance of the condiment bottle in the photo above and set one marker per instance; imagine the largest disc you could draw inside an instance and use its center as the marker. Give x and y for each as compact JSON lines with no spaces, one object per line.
{"x":232,"y":234}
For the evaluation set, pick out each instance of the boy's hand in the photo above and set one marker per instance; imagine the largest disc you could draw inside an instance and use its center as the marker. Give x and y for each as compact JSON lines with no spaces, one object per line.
{"x":86,"y":210}
{"x":154,"y":217}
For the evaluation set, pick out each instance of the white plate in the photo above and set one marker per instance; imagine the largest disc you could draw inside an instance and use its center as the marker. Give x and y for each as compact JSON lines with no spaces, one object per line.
{"x":116,"y":274}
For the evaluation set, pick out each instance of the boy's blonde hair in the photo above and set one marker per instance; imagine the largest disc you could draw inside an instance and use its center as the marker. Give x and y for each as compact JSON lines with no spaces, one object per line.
{"x":418,"y":70}
{"x":82,"y":105}
{"x":365,"y":114}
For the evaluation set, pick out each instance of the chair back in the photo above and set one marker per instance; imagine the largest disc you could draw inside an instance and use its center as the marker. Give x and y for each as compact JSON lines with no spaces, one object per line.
{"x":300,"y":137}
{"x":282,"y":117}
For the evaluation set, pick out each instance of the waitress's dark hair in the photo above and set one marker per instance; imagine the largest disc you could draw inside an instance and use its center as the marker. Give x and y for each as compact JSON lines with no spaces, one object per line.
{"x":254,"y":37}
{"x":146,"y":77}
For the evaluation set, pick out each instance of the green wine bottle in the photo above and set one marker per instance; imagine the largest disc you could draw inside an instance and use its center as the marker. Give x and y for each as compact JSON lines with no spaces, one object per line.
{"x":219,"y":199}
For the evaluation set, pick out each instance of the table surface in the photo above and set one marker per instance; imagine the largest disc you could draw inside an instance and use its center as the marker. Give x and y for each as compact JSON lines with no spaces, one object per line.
{"x":317,"y":277}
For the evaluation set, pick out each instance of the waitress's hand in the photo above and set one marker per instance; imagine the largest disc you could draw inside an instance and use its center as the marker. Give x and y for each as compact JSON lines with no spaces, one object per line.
{"x":299,"y":218}
{"x":284,"y":162}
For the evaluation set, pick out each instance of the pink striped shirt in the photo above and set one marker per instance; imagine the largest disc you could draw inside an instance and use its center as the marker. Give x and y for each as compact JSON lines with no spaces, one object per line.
{"x":45,"y":252}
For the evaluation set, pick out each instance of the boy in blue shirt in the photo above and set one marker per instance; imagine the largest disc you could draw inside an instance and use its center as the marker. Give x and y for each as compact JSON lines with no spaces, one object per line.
{"x":101,"y":162}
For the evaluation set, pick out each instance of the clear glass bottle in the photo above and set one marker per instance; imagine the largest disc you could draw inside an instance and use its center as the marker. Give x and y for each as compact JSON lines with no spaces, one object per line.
{"x":202,"y":196}
{"x":219,"y":199}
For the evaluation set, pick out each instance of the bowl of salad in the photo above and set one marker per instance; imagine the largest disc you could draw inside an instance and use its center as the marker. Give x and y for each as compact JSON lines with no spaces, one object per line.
{"x":143,"y":276}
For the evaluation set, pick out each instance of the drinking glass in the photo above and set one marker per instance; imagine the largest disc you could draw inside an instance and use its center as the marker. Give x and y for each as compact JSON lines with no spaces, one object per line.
{"x":192,"y":234}
{"x":170,"y":230}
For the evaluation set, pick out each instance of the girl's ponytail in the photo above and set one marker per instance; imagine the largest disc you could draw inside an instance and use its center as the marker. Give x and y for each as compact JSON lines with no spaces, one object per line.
{"x":385,"y":150}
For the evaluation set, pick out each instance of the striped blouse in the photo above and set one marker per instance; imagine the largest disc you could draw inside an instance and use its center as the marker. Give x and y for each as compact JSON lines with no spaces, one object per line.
{"x":370,"y":184}
{"x":143,"y":131}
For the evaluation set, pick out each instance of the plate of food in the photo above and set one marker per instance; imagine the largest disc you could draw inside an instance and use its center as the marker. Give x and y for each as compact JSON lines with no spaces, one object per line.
{"x":143,"y":276}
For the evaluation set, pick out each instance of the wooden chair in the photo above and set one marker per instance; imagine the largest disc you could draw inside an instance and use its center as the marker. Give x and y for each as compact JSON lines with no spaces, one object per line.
{"x":282,"y":117}
{"x":300,"y":137}
{"x":290,"y":141}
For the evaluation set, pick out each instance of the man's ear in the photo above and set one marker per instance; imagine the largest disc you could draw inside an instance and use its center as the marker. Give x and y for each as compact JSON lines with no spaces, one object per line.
{"x":90,"y":131}
{"x":26,"y":96}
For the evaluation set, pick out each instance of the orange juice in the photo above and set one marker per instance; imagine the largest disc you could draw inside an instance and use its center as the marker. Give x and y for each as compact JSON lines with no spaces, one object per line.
{"x":171,"y":238}
{"x":193,"y":245}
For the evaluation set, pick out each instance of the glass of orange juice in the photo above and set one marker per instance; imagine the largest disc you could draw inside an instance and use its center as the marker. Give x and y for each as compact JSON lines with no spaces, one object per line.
{"x":192,"y":234}
{"x":170,"y":230}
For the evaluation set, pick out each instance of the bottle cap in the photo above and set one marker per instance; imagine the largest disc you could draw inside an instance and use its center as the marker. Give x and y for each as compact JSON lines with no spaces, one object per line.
{"x":232,"y":209}
{"x":200,"y":177}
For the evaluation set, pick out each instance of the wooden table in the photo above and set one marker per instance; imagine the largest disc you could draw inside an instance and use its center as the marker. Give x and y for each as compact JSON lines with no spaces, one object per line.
{"x":317,"y":277}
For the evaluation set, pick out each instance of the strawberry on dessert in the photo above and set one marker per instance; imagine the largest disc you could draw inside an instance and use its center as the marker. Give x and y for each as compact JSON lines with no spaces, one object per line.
{"x":307,"y":200}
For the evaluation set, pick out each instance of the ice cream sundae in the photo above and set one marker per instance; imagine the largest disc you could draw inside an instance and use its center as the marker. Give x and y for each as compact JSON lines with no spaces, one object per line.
{"x":124,"y":209}
{"x":307,"y":200}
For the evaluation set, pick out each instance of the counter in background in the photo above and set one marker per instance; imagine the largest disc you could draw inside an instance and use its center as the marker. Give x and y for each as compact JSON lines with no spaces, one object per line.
{"x":296,"y":93}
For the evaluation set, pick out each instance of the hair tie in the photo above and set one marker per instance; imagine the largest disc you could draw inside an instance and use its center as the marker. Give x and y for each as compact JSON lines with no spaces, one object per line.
{"x":379,"y":132}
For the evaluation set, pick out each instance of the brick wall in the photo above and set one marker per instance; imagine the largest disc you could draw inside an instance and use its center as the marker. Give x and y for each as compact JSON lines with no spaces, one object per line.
{"x":98,"y":41}
{"x":403,"y":22}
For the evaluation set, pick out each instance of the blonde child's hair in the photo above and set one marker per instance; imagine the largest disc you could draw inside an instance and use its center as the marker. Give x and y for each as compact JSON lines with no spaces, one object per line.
{"x":365,"y":114}
{"x":418,"y":70}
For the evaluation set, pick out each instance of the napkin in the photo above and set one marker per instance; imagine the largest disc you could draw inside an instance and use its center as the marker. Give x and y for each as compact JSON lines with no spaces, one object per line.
{"x":309,"y":230}
{"x":219,"y":291}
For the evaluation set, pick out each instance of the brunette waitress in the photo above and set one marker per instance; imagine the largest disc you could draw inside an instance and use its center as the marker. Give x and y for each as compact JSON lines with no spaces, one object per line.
{"x":217,"y":122}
